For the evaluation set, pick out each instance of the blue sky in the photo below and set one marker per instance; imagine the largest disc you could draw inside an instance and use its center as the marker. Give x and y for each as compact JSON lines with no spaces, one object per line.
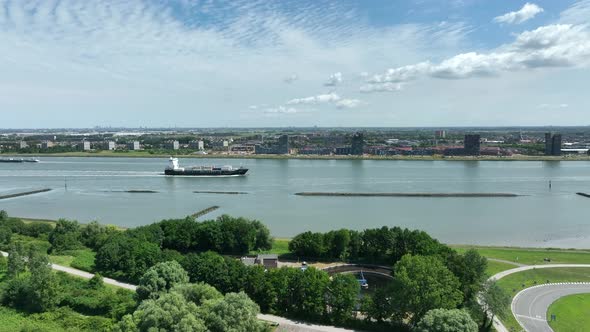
{"x":241,"y":63}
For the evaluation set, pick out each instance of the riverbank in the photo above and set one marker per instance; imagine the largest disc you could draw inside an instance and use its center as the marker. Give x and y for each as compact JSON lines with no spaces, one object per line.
{"x":26,"y":193}
{"x":147,"y":154}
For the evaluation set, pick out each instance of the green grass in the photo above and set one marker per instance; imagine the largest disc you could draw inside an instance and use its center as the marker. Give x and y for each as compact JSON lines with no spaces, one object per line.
{"x":521,"y":280}
{"x":82,"y":259}
{"x":572,"y":313}
{"x":27,"y":241}
{"x":280,"y":246}
{"x":495,"y":267}
{"x":531,"y":256}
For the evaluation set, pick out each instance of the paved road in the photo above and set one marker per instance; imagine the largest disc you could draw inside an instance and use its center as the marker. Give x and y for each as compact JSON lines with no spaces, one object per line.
{"x":284,"y":323}
{"x":498,"y":324}
{"x":530,"y":306}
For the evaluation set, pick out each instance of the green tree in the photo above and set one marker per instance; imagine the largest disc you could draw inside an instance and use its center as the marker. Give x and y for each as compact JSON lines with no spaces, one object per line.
{"x":225,"y":274}
{"x":16,"y":260}
{"x":234,"y":313}
{"x":65,"y":236}
{"x":126,"y":257}
{"x":170,"y":312}
{"x":93,"y":235}
{"x":309,"y":291}
{"x":495,"y":301}
{"x":160,"y":278}
{"x":3,"y":215}
{"x":342,"y":296}
{"x":44,"y":285}
{"x":308,"y":244}
{"x":445,"y":320}
{"x":422,"y":283}
{"x":197,"y":293}
{"x":5,"y":235}
{"x":96,"y":282}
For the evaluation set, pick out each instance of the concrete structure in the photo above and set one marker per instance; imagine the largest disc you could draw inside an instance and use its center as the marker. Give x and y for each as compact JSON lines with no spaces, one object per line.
{"x":552,"y":144}
{"x":197,"y":145}
{"x":85,"y":145}
{"x":343,"y":151}
{"x":47,"y":144}
{"x":358,"y":144}
{"x":270,"y":261}
{"x":134,"y":146}
{"x":472,"y":145}
{"x":440,"y":134}
{"x":172,"y":145}
{"x":22,"y":145}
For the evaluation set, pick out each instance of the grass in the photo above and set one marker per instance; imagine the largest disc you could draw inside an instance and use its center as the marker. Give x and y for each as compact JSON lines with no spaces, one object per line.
{"x":13,"y":320}
{"x":81,"y":259}
{"x":280,"y":246}
{"x":521,"y":280}
{"x":532,"y":256}
{"x":572,"y":313}
{"x":495,"y":267}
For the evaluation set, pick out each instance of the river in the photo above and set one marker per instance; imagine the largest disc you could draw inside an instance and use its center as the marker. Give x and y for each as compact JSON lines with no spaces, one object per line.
{"x":94,"y":189}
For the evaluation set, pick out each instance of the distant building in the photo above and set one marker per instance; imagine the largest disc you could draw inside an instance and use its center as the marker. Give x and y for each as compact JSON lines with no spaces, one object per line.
{"x":197,"y":145}
{"x":440,"y":134}
{"x":172,"y":145}
{"x":22,"y":145}
{"x":134,"y":146}
{"x":472,"y":145}
{"x":358,"y":144}
{"x":270,"y":261}
{"x":47,"y":144}
{"x":343,"y":151}
{"x":110,"y":145}
{"x":85,"y":146}
{"x":281,"y":147}
{"x":552,"y":144}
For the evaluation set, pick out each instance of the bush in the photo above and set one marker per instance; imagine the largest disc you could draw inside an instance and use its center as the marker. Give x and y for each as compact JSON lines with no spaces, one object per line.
{"x":65,"y":236}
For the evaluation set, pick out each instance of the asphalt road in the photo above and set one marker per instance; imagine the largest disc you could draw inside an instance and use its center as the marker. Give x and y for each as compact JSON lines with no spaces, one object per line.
{"x":530,"y":305}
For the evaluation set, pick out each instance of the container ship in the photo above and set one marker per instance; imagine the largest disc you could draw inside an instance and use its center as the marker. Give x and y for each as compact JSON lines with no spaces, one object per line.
{"x":174,"y":169}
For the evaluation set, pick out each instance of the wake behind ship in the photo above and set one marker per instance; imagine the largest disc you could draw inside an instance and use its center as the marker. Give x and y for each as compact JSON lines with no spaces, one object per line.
{"x":174,"y":169}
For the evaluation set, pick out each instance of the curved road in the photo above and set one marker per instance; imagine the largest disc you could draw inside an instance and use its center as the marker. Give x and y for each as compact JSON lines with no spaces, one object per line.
{"x":530,"y":302}
{"x":530,"y":306}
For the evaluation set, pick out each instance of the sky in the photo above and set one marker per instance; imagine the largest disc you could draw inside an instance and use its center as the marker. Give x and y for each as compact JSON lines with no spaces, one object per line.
{"x":278,"y":63}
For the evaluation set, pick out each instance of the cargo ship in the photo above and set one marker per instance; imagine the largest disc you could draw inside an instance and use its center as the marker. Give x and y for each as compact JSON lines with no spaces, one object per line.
{"x":18,"y":160}
{"x":174,"y":169}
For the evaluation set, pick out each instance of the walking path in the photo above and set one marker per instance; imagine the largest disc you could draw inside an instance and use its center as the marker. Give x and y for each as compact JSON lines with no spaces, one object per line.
{"x":284,"y":323}
{"x":526,"y":302}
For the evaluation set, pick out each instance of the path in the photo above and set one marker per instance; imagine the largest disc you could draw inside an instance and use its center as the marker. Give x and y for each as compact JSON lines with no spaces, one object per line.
{"x":530,"y":306}
{"x":284,"y":323}
{"x":497,"y":323}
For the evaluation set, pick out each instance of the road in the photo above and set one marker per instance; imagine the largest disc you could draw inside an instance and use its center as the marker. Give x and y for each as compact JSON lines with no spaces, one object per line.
{"x":284,"y":323}
{"x":527,"y":303}
{"x":530,"y":305}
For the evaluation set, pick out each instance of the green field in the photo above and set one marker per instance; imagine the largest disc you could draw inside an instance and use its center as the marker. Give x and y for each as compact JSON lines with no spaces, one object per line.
{"x":81,"y":259}
{"x":531,"y":256}
{"x":495,"y":267}
{"x":280,"y":246}
{"x":572,"y":313}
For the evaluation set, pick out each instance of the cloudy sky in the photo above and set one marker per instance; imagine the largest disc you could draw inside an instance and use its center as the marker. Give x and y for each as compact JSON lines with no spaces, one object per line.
{"x":243,"y":63}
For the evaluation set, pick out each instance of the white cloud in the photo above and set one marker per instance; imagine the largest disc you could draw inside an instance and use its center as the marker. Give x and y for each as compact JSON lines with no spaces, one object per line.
{"x":553,"y":106}
{"x":558,"y":45}
{"x":334,"y":79}
{"x":348,"y":103}
{"x":578,"y":13}
{"x":314,"y":100}
{"x":381,"y":87}
{"x":527,"y":12}
{"x":280,"y":110}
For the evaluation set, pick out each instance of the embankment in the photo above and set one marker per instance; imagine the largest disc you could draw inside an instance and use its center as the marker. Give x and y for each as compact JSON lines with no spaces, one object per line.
{"x":336,"y":194}
{"x":205,"y":211}
{"x":26,"y":193}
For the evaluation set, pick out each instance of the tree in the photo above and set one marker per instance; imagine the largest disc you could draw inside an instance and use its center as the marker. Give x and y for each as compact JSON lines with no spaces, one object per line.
{"x":126,"y":257}
{"x":3,"y":215}
{"x":65,"y":236}
{"x":337,"y":243}
{"x":474,"y":274}
{"x":444,"y":320}
{"x":342,"y":296}
{"x":93,"y":235}
{"x":225,"y":274}
{"x":160,"y":278}
{"x":422,"y":283}
{"x":16,"y":260}
{"x":234,"y":313}
{"x":197,"y":293}
{"x":307,"y":244}
{"x":309,"y":291}
{"x":96,"y":282}
{"x":495,"y":301}
{"x":5,"y":235}
{"x":44,"y":285}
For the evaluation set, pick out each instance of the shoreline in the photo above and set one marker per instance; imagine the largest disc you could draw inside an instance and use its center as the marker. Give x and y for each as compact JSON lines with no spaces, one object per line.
{"x":140,"y":154}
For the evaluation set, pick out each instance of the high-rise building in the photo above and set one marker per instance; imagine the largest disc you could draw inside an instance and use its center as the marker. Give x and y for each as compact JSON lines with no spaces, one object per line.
{"x":358,"y":144}
{"x":440,"y":134}
{"x":134,"y":146}
{"x":172,"y":145}
{"x":85,"y":145}
{"x":110,"y":145}
{"x":472,"y":145}
{"x":552,"y":144}
{"x":283,"y":146}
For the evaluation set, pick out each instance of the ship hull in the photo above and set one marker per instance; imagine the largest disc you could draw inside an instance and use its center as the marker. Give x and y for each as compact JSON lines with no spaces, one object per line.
{"x":198,"y":172}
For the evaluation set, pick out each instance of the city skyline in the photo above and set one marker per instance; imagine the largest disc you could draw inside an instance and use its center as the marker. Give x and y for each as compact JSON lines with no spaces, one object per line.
{"x":351,"y":63}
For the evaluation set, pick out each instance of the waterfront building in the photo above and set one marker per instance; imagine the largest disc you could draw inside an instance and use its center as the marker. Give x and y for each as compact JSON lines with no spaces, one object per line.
{"x":472,"y":145}
{"x":47,"y":144}
{"x":85,"y":146}
{"x":281,"y":147}
{"x":172,"y":145}
{"x":110,"y":145}
{"x":22,"y":145}
{"x":343,"y":151}
{"x":134,"y":146}
{"x":197,"y":145}
{"x":358,"y":144}
{"x":552,"y":144}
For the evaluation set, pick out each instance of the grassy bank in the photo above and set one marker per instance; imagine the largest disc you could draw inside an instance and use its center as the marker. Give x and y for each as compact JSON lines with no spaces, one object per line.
{"x":572,"y":313}
{"x":147,"y":154}
{"x":531,"y":256}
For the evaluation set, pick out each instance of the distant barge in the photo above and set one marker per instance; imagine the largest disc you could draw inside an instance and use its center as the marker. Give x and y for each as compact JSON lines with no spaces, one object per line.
{"x":174,"y":169}
{"x":19,"y":160}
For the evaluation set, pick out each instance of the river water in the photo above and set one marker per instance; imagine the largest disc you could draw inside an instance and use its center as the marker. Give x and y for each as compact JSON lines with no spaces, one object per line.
{"x":545,"y":217}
